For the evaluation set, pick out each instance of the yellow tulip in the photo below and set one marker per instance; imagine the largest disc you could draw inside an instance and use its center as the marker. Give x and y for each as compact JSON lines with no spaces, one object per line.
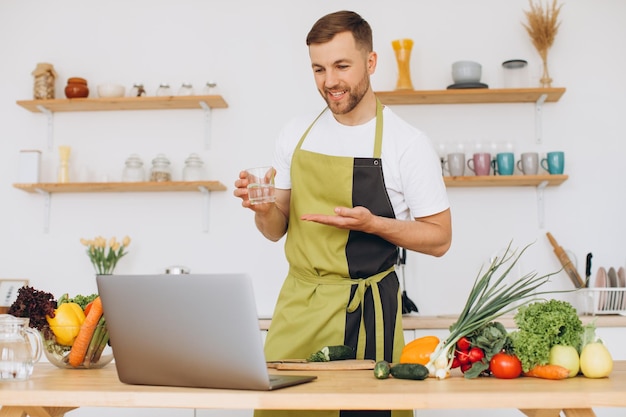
{"x":126,"y":241}
{"x":113,"y":241}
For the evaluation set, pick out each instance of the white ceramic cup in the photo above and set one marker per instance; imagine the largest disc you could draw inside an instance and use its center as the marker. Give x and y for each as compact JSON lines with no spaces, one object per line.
{"x":455,"y":164}
{"x":529,"y":163}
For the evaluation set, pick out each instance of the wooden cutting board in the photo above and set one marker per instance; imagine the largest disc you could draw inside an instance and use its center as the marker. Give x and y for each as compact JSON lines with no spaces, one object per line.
{"x":347,"y":364}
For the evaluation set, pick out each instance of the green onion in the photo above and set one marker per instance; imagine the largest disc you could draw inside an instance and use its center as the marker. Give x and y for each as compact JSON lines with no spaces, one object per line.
{"x":490,"y":298}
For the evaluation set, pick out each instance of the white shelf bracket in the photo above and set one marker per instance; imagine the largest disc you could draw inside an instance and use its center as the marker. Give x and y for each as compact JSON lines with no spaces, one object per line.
{"x":46,"y":209}
{"x":540,"y":203}
{"x":49,"y":115}
{"x":539,"y":118}
{"x":206,"y":207}
{"x":207,"y":124}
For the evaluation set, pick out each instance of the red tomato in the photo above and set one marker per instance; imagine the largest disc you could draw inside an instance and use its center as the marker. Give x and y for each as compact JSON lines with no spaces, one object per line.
{"x":505,"y":366}
{"x":464,"y":344}
{"x":475,"y":354}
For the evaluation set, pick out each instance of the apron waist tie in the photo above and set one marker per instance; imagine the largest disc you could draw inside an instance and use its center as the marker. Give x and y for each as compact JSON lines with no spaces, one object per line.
{"x":356,"y":301}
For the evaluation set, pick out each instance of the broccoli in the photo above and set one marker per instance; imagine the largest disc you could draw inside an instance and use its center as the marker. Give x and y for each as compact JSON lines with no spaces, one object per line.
{"x":542,"y":325}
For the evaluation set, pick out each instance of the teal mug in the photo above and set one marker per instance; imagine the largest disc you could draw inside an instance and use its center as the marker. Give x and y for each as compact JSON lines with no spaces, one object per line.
{"x":554,"y":163}
{"x":505,"y":162}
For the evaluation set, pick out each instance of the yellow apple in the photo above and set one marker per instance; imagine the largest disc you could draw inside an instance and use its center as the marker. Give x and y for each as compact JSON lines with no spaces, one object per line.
{"x":596,"y":360}
{"x":567,"y":357}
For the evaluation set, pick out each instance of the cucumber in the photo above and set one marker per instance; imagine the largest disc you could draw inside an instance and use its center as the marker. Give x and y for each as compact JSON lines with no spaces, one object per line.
{"x":333,"y":353}
{"x":381,"y":370}
{"x":409,"y":371}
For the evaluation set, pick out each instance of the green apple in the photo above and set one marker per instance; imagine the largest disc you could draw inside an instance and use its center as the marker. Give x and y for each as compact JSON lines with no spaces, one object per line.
{"x":567,"y":357}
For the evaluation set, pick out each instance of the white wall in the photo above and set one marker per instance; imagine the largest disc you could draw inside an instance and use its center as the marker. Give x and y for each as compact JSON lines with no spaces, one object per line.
{"x":256,"y":53}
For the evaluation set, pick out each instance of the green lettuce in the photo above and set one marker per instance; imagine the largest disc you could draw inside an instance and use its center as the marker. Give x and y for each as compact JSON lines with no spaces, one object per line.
{"x":542,"y":325}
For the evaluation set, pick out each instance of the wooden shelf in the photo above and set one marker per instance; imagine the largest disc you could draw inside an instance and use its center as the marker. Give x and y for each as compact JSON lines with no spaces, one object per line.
{"x":468,"y":96}
{"x":505,"y":180}
{"x":123,"y":103}
{"x":99,"y":187}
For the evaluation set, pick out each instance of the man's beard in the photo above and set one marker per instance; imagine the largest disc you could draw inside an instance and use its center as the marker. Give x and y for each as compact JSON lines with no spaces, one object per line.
{"x":354,"y":98}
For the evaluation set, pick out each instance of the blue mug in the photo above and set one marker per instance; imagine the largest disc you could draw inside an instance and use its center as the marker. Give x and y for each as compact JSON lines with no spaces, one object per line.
{"x":506,"y":163}
{"x":554,"y":163}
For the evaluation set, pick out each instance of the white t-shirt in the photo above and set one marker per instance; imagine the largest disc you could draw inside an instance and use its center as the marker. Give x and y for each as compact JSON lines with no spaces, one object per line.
{"x":411,"y":167}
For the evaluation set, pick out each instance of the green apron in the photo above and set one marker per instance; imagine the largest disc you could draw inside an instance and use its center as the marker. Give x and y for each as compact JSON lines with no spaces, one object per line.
{"x":341,"y":288}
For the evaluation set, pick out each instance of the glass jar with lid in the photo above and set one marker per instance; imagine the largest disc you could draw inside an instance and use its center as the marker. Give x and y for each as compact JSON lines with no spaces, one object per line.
{"x":163,"y":90}
{"x":194,"y":168}
{"x":133,"y":169}
{"x":209,"y":88}
{"x":186,"y":89}
{"x":137,"y":90}
{"x":160,"y":170}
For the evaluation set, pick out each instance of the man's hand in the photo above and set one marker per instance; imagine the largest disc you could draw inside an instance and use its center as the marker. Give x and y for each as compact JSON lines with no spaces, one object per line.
{"x":357,"y":218}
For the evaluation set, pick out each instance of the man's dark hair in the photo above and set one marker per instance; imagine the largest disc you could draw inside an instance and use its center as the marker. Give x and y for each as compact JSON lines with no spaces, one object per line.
{"x":325,"y":29}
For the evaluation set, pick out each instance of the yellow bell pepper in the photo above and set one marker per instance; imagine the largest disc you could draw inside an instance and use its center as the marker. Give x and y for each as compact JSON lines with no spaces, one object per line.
{"x":65,"y":324}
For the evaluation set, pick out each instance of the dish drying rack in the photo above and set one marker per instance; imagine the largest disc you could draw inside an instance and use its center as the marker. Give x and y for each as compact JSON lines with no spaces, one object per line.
{"x":598,"y":301}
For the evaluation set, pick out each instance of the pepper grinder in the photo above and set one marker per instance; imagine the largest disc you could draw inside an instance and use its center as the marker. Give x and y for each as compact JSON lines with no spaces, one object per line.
{"x":63,"y":173}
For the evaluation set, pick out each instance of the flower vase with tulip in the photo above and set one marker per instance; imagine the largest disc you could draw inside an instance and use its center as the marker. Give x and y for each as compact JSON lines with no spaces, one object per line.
{"x":105,"y":257}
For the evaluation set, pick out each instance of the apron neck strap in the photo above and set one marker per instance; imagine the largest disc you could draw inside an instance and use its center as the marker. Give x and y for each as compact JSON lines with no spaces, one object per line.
{"x":378,"y":138}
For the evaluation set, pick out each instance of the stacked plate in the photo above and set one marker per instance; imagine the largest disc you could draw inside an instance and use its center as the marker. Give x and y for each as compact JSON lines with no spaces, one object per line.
{"x":610,"y":289}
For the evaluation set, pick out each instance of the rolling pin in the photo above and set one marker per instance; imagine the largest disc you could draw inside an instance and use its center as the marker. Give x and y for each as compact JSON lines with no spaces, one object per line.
{"x":566,"y":262}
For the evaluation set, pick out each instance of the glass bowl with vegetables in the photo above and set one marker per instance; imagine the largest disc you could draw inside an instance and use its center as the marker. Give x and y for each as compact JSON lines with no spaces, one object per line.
{"x":73,"y":330}
{"x":76,"y":336}
{"x":89,"y":349}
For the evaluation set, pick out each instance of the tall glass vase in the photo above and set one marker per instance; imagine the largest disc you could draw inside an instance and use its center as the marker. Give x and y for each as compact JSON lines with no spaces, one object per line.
{"x":546,"y":81}
{"x":402,"y":49}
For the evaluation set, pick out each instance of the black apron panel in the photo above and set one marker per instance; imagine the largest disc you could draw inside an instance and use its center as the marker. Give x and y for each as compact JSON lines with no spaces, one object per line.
{"x":365,"y":413}
{"x":388,"y":288}
{"x":369,"y":254}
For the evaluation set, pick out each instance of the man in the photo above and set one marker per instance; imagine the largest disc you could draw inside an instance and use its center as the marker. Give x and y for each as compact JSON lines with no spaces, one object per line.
{"x":347,"y":199}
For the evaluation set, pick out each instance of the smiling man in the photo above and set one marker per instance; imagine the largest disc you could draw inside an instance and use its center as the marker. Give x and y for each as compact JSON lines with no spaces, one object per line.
{"x":353,"y":184}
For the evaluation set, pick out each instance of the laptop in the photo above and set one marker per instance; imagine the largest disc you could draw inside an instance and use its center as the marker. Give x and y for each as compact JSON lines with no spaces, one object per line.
{"x":187,"y":330}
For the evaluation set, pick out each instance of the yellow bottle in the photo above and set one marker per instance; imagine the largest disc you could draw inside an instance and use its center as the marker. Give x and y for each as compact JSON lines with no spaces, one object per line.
{"x":63,"y":173}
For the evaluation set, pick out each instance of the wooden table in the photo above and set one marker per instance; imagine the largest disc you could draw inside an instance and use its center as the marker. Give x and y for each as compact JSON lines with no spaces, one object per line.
{"x":51,"y":392}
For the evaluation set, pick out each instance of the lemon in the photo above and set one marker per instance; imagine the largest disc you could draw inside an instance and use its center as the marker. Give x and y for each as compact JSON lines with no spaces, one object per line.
{"x":596,"y":360}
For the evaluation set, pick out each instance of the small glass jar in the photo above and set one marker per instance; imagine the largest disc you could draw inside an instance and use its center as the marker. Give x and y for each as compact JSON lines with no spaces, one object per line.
{"x":209,"y":88}
{"x":194,"y":168}
{"x":186,"y":89}
{"x":160,"y":170}
{"x":515,"y":73}
{"x":164,"y":90}
{"x":137,"y":90}
{"x":133,"y":169}
{"x":45,"y":77}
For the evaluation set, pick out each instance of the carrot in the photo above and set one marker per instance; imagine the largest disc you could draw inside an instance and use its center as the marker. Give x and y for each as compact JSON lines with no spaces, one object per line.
{"x":81,"y":343}
{"x":548,"y":372}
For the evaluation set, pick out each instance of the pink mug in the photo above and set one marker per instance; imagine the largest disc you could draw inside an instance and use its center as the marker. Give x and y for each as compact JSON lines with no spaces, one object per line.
{"x":480,"y":163}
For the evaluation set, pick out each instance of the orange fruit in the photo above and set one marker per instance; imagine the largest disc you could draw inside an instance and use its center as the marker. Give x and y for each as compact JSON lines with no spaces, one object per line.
{"x":419,"y":350}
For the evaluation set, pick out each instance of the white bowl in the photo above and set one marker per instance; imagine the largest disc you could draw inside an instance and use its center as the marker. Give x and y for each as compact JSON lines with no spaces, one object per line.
{"x":111,"y":90}
{"x":466,"y":72}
